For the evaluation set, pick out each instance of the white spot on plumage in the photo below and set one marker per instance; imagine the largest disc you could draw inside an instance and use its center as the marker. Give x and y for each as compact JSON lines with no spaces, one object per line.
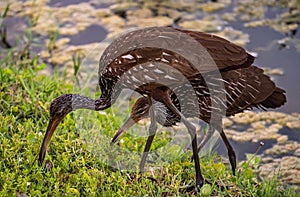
{"x":169,"y":77}
{"x":166,"y":54}
{"x":134,"y":79}
{"x":165,"y":60}
{"x":128,"y":56}
{"x":149,"y":78}
{"x":250,"y":86}
{"x":257,"y":81}
{"x":198,"y":93}
{"x":240,"y":84}
{"x":232,"y":88}
{"x":251,"y":95}
{"x":217,"y":91}
{"x":235,"y":94}
{"x":230,"y":97}
{"x":211,"y":84}
{"x":205,"y":92}
{"x":239,"y":91}
{"x":158,"y":71}
{"x":164,"y":37}
{"x":221,"y":101}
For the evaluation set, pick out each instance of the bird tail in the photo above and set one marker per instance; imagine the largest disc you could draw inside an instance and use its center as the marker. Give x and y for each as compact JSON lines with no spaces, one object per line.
{"x":276,"y":99}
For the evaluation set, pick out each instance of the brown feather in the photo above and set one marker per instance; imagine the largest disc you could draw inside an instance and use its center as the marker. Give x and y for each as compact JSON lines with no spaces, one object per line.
{"x":224,"y":53}
{"x":276,"y":99}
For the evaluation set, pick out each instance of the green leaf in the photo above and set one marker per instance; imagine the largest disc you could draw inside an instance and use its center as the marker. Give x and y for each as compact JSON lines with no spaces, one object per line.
{"x":4,"y":14}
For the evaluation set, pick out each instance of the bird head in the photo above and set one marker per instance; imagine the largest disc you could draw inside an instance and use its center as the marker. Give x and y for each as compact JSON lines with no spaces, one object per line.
{"x":59,"y":108}
{"x":65,"y":104}
{"x":140,"y":110}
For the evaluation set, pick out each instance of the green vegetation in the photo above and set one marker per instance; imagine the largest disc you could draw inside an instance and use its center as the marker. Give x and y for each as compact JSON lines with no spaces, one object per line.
{"x":72,"y":170}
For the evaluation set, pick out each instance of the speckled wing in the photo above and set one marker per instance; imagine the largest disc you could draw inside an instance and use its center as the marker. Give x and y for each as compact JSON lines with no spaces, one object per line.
{"x":245,"y":88}
{"x":250,"y":87}
{"x":189,"y":45}
{"x":226,"y":54}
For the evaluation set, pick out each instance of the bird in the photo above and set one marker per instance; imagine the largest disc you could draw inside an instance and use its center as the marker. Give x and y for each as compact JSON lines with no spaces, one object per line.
{"x":179,"y":73}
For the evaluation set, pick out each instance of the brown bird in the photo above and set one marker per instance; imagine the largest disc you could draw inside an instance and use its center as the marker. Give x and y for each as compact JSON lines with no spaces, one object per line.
{"x":182,"y":74}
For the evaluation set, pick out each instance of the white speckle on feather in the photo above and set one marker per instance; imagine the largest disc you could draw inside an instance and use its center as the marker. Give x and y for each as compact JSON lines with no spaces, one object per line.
{"x":130,"y":57}
{"x":158,"y":71}
{"x":169,"y":77}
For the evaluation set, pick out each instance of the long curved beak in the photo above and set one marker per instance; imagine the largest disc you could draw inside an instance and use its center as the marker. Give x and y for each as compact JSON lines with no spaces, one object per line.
{"x":50,"y":130}
{"x":127,"y":124}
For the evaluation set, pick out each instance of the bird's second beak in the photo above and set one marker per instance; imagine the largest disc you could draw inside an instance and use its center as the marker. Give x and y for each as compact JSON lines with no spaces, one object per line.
{"x":50,"y":130}
{"x":127,"y":124}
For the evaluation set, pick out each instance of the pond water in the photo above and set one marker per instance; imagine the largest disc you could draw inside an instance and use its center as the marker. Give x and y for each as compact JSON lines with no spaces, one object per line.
{"x":95,"y":3}
{"x":60,"y":3}
{"x":93,"y":33}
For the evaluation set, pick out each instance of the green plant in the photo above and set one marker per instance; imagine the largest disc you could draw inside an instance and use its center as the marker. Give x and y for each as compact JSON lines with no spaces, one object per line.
{"x":52,"y":39}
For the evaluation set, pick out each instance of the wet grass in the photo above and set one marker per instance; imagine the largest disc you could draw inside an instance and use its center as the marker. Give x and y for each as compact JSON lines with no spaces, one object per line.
{"x":72,"y":169}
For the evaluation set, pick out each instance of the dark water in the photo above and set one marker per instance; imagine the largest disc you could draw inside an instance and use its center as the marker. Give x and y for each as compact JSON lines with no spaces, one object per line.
{"x":15,"y":29}
{"x":243,"y":148}
{"x":96,"y":4}
{"x":60,"y":3}
{"x":93,"y":33}
{"x":292,"y":134}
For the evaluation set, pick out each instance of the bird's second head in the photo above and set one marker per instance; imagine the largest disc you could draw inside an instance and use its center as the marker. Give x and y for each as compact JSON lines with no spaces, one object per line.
{"x":61,"y":106}
{"x":140,"y":110}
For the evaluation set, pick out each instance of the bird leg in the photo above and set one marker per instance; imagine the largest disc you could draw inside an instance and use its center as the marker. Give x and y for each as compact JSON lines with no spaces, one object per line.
{"x":231,"y":153}
{"x":193,"y":134}
{"x":206,"y":137}
{"x":152,"y":132}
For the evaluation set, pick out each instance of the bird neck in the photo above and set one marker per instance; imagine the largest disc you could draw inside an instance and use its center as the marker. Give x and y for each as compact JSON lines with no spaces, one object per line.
{"x":103,"y":103}
{"x":82,"y":102}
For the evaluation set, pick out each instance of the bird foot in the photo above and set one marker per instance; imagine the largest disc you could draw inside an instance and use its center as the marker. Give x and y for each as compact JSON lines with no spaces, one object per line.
{"x":190,"y":189}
